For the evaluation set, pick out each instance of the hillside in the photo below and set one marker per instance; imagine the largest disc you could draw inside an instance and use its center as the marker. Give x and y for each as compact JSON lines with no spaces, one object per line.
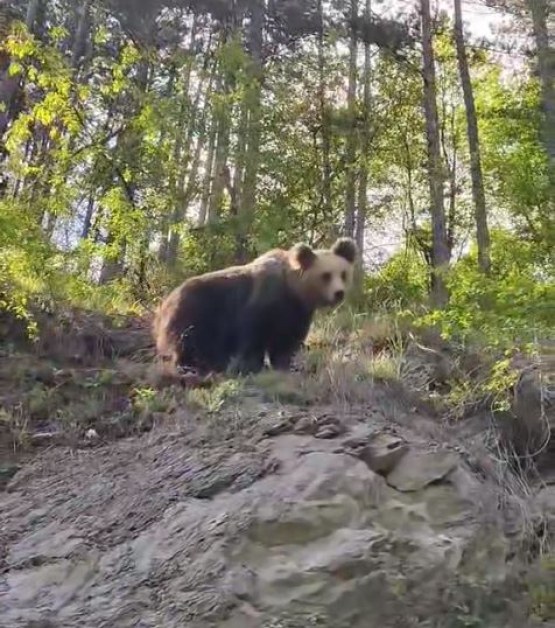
{"x":402,"y":473}
{"x":337,"y":496}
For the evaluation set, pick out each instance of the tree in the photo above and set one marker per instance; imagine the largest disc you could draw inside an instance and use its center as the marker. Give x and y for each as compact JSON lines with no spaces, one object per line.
{"x":540,"y":11}
{"x":326,"y":200}
{"x":364,"y":140}
{"x":252,"y":133}
{"x":440,"y":248}
{"x":10,"y":82}
{"x":148,"y":143}
{"x":539,"y":15}
{"x":478,"y":194}
{"x":351,"y":148}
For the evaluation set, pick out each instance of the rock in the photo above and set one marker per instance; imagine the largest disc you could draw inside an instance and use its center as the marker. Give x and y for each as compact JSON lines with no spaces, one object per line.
{"x":7,"y":472}
{"x":330,"y":431}
{"x":427,"y":366}
{"x":306,"y":425}
{"x":383,"y":453}
{"x":47,"y":543}
{"x":545,"y":501}
{"x":527,"y":428}
{"x":40,"y":439}
{"x":324,"y":426}
{"x":283,"y":531}
{"x":416,"y":470}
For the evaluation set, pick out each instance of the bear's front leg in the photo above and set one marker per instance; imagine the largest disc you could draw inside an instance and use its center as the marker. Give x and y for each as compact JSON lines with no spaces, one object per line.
{"x":249,"y":363}
{"x":251,"y":347}
{"x":281,"y":360}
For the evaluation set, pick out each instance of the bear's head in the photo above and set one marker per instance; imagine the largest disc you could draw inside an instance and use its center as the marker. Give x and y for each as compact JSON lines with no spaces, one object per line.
{"x":324,"y":276}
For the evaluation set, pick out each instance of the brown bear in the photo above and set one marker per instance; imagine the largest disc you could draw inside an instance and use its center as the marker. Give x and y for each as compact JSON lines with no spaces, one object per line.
{"x":242,"y":313}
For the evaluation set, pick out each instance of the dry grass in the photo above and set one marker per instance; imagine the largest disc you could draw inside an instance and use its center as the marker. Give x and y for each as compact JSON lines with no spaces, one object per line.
{"x":541,"y":588}
{"x":348,"y":352}
{"x":41,"y":402}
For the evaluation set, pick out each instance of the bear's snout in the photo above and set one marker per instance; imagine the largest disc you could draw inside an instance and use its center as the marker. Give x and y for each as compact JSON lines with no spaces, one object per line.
{"x":339,"y":296}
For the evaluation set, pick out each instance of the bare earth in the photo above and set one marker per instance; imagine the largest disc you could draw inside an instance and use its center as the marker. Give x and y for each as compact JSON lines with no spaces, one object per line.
{"x":362,"y":515}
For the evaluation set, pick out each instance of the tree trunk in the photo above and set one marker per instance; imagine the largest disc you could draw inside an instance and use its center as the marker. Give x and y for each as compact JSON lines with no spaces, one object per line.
{"x":440,"y":250}
{"x":79,"y":46}
{"x":220,"y":166}
{"x":207,"y":179}
{"x":350,"y":191}
{"x":222,"y":120}
{"x":185,"y":193}
{"x":128,"y":142}
{"x":181,"y":145}
{"x":478,"y":194}
{"x":362,"y":208}
{"x":540,"y":9}
{"x":241,"y":154}
{"x":87,"y":221}
{"x":34,"y":8}
{"x":325,"y":194}
{"x":447,"y":130}
{"x":253,"y":96}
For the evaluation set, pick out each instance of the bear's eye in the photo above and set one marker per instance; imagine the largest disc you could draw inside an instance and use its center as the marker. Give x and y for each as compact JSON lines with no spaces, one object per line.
{"x":326,"y":277}
{"x":344,"y":276}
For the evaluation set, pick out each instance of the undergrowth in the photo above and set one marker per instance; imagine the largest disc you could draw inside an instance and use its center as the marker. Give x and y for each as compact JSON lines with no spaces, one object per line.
{"x":465,"y":357}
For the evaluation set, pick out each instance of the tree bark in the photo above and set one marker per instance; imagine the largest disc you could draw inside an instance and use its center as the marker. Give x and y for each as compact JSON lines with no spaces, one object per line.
{"x":128,"y":141}
{"x":351,"y":148}
{"x":324,"y":116}
{"x":33,"y":10}
{"x":222,"y":120}
{"x":539,"y":10}
{"x":240,"y":156}
{"x":79,"y":46}
{"x":362,"y":207}
{"x":440,"y":250}
{"x":253,"y":97}
{"x":478,"y":194}
{"x":208,"y":175}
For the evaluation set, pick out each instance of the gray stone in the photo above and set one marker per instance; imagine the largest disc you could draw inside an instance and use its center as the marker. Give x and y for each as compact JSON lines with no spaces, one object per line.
{"x":285,"y":532}
{"x":383,"y":453}
{"x":418,"y":469}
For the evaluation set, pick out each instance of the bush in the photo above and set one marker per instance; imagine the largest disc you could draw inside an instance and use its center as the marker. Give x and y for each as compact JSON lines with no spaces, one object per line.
{"x":513,"y":306}
{"x":402,"y":283}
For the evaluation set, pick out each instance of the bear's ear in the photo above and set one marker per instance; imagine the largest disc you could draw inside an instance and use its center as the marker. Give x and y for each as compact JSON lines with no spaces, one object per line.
{"x":346,"y":248}
{"x":302,"y":256}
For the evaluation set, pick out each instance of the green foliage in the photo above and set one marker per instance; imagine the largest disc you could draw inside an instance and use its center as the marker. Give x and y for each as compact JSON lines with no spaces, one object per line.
{"x":514,"y":162}
{"x":34,"y":275}
{"x":125,"y":136}
{"x":511,"y":307}
{"x":542,"y":589}
{"x":212,"y":400}
{"x":402,"y":283}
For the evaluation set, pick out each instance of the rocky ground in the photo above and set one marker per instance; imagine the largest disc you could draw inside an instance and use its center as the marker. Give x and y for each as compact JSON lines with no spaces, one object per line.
{"x":248,"y":509}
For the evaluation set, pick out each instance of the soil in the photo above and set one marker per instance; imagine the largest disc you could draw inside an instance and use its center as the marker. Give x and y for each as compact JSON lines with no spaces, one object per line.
{"x":123,"y":503}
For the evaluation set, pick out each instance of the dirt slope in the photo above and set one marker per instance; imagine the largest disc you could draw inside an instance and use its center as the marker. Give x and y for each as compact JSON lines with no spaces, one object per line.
{"x":244,"y":511}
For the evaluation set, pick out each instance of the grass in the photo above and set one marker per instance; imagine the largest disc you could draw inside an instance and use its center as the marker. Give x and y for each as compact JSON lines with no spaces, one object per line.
{"x":212,"y":400}
{"x":281,"y":388}
{"x":348,"y":356}
{"x":42,"y":397}
{"x":541,"y":588}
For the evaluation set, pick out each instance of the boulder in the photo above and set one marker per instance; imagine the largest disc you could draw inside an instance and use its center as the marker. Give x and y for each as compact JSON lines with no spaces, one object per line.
{"x":416,"y":470}
{"x":283,"y":531}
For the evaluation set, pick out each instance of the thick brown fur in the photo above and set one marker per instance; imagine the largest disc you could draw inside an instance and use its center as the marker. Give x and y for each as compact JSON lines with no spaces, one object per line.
{"x":241,"y":313}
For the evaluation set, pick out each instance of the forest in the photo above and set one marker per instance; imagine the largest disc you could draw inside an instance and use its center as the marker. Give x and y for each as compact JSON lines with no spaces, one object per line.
{"x":142,"y":143}
{"x":402,"y":471}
